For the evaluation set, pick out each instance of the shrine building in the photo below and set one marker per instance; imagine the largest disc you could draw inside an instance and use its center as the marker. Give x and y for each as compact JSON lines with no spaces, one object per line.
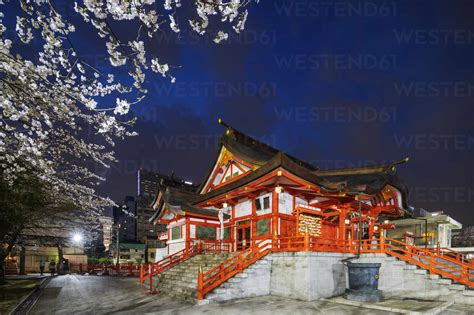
{"x":253,"y":192}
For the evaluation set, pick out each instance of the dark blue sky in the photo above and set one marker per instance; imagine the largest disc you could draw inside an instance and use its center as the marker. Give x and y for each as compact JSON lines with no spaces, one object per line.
{"x":340,"y":84}
{"x":337,"y":83}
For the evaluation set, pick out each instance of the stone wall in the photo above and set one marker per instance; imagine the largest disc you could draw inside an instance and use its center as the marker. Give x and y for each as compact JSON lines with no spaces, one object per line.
{"x":308,"y":276}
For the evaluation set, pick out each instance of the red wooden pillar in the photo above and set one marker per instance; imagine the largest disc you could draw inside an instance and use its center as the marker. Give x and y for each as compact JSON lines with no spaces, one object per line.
{"x":188,"y":231}
{"x":274,"y":230}
{"x":342,"y":227}
{"x":371,"y":225}
{"x":253,"y":222}
{"x":232,"y":230}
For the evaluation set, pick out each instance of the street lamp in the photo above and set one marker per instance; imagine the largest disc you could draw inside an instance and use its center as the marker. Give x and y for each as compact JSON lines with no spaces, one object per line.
{"x":77,"y":239}
{"x":118,"y":250}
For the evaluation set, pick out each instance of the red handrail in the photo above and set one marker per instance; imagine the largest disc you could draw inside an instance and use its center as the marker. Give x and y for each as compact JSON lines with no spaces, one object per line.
{"x":457,"y":256}
{"x":437,"y":264}
{"x":444,"y":265}
{"x":226,"y":270}
{"x":168,"y":262}
{"x":153,"y":269}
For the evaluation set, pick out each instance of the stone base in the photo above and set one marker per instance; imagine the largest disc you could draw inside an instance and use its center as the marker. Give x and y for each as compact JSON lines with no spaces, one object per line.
{"x":364,"y":295}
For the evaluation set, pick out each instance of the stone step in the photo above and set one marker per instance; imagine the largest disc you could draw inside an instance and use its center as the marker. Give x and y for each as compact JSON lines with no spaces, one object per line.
{"x":434,"y":276}
{"x":234,"y":280}
{"x":468,"y":293}
{"x":421,"y":271}
{"x":445,"y":281}
{"x":457,"y":287}
{"x":410,"y":267}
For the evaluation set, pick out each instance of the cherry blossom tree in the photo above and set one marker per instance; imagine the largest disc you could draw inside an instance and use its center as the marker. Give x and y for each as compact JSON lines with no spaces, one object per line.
{"x":60,"y":116}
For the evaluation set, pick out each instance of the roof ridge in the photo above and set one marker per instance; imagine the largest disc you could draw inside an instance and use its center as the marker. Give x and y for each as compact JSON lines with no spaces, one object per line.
{"x":378,"y":167}
{"x":253,"y":141}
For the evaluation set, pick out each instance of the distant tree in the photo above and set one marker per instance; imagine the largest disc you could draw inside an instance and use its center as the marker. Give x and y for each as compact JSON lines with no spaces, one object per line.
{"x":57,"y":122}
{"x":60,"y":116}
{"x":31,"y":213}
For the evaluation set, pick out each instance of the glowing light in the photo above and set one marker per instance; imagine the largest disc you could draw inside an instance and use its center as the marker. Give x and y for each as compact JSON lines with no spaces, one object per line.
{"x":386,"y":221}
{"x":278,"y":189}
{"x":225,"y":205}
{"x":77,"y":237}
{"x":347,"y":221}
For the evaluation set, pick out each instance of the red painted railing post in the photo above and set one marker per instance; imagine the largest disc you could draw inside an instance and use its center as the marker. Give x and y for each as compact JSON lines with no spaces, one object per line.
{"x":306,"y":242}
{"x":438,"y":249}
{"x":117,"y":268}
{"x":80,"y":268}
{"x":382,"y":242}
{"x":130,"y":269}
{"x":200,"y":284}
{"x":141,"y":274}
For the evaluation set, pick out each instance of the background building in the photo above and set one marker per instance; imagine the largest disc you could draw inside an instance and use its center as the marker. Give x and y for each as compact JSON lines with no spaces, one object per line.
{"x":426,"y":228}
{"x":148,"y":185}
{"x":125,"y":215}
{"x":107,"y":229}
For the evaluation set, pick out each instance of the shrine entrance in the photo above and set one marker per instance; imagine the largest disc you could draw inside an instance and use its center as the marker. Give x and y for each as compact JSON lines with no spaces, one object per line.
{"x":243,"y":235}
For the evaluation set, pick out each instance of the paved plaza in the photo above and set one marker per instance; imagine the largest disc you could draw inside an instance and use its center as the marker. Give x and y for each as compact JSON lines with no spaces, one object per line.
{"x":75,"y":294}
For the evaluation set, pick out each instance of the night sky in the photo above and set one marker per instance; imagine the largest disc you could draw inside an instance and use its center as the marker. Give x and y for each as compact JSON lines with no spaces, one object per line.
{"x":336,"y":83}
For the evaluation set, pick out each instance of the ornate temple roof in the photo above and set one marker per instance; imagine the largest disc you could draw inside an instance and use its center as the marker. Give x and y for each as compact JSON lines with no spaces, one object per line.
{"x":367,"y":180}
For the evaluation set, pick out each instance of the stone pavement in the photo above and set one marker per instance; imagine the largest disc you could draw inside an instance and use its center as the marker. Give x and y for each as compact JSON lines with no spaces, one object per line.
{"x":75,"y":294}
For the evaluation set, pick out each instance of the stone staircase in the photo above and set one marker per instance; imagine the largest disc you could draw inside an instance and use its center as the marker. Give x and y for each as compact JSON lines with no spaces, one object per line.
{"x":401,"y":279}
{"x":397,"y":278}
{"x":252,"y":281}
{"x":181,"y":280}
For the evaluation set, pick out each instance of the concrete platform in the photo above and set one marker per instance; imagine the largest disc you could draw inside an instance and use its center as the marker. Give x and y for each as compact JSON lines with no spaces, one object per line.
{"x":401,"y":306}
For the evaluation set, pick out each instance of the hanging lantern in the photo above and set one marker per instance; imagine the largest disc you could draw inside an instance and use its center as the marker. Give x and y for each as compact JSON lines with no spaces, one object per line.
{"x":278,"y":189}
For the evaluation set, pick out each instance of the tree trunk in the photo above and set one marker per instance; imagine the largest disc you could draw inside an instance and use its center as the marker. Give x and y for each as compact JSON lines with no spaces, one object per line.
{"x":22,"y":260}
{"x":3,"y":255}
{"x":4,"y":252}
